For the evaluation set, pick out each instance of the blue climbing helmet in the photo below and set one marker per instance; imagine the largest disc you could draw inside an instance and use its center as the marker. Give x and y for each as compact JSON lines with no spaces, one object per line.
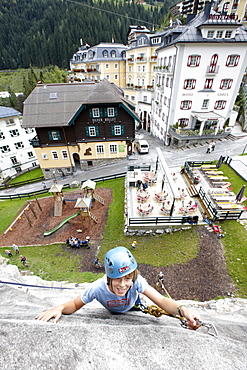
{"x":119,"y":262}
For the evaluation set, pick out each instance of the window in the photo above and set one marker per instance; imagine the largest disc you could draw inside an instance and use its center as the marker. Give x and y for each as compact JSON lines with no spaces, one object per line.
{"x":129,"y":68}
{"x":139,"y":68}
{"x":132,"y":98}
{"x":116,"y":77}
{"x":44,"y":156}
{"x":54,"y":154}
{"x":99,"y":148}
{"x":53,"y":96}
{"x":220,"y":104}
{"x":145,"y":98}
{"x":107,"y":77}
{"x":226,"y":84}
{"x":30,"y":154}
{"x":193,"y":60}
{"x":14,"y":133}
{"x":29,"y":130}
{"x":189,"y":84}
{"x":116,"y":65}
{"x":10,"y":122}
{"x":2,"y":135}
{"x":117,"y":130}
{"x":107,"y":66}
{"x":165,"y":99}
{"x":183,"y":122}
{"x":105,"y":53}
{"x":210,"y":34}
{"x":5,"y":149}
{"x":156,"y":40}
{"x":64,"y":154}
{"x":232,"y":60}
{"x":113,"y":54}
{"x":110,"y":112}
{"x":208,"y":83}
{"x":143,"y":68}
{"x":92,"y":131}
{"x":113,"y":148}
{"x":14,"y":160}
{"x":213,"y":63}
{"x":228,"y":34}
{"x":219,"y":34}
{"x":205,"y":103}
{"x":54,"y":135}
{"x":186,"y":104}
{"x":225,"y":7}
{"x":19,"y":145}
{"x":95,"y":112}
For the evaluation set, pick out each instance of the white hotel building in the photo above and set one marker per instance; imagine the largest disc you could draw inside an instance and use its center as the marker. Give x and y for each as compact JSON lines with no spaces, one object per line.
{"x":16,"y":152}
{"x":199,"y":70}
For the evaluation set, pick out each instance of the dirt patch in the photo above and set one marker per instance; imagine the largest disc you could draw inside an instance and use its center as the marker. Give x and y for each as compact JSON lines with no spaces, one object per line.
{"x":203,"y":278}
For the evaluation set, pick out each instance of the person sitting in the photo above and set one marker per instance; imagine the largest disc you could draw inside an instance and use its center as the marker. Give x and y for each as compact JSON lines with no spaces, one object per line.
{"x":139,"y":184}
{"x":8,"y":252}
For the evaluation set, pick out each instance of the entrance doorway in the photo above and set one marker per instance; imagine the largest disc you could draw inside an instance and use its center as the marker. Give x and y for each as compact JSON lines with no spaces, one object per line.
{"x":76,"y":159}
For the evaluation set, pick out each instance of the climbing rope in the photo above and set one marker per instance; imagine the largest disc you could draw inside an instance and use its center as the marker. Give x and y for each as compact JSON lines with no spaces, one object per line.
{"x":157,"y":312}
{"x":33,"y":286}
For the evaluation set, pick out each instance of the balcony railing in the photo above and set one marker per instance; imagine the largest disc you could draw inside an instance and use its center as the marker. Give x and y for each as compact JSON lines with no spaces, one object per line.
{"x":212,"y":71}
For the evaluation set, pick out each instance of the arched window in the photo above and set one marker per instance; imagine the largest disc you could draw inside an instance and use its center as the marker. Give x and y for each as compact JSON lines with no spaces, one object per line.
{"x":113,"y":54}
{"x":105,"y":53}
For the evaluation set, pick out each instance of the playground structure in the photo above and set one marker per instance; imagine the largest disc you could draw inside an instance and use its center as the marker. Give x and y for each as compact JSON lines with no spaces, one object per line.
{"x":25,"y":213}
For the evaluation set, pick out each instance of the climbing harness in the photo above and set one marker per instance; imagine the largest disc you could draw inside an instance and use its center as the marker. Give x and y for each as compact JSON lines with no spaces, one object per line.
{"x":157,"y":312}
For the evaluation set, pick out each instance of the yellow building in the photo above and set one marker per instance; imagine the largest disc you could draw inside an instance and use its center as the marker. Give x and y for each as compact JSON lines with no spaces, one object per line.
{"x":102,"y":61}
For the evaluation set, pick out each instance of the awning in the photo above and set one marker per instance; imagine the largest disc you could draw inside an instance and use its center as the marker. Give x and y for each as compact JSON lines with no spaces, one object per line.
{"x":204,"y":116}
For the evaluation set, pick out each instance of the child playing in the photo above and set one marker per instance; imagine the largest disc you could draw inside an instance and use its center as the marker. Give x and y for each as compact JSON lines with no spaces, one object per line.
{"x":118,"y":291}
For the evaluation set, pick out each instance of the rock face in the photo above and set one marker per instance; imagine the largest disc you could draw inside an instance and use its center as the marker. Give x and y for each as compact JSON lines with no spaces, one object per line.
{"x":93,"y":338}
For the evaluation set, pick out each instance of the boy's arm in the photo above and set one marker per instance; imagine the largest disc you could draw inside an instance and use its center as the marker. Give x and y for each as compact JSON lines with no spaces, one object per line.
{"x":67,"y":309}
{"x":171,"y":306}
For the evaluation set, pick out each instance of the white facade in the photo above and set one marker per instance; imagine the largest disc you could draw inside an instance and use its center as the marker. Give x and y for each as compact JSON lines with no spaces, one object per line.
{"x":16,"y":153}
{"x":197,"y":81}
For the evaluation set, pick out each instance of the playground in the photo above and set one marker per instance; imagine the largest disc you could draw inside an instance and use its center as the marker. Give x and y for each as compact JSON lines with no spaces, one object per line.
{"x":32,"y":223}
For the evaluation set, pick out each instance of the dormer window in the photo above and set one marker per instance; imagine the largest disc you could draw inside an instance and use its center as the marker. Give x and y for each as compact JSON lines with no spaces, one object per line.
{"x":113,"y":54}
{"x":228,"y":34}
{"x":219,"y":34}
{"x":53,"y":95}
{"x":105,"y":53}
{"x":90,"y":54}
{"x":210,"y":34}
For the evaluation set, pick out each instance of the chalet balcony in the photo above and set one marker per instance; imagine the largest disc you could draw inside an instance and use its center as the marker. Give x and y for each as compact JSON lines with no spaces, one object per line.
{"x":141,"y":59}
{"x":212,"y":70}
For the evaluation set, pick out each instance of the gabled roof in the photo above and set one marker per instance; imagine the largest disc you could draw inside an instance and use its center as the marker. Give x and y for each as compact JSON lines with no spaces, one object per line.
{"x":59,"y":104}
{"x":8,"y":112}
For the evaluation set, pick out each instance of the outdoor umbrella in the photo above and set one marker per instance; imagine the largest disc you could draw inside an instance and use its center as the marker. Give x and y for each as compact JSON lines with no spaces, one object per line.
{"x":240,"y":194}
{"x":219,"y":163}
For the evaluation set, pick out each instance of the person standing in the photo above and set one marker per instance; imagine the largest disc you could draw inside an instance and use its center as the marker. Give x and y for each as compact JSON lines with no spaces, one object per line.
{"x":16,"y":248}
{"x":213,"y":145}
{"x":209,"y":148}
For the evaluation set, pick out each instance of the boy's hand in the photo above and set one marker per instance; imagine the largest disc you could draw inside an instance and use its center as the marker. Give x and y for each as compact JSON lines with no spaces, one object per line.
{"x":47,"y":315}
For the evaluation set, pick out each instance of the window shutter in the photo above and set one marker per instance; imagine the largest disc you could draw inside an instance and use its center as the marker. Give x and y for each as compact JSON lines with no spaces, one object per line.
{"x":115,"y":112}
{"x":122,"y":129}
{"x":112,"y":130}
{"x":198,"y":59}
{"x":97,"y":130}
{"x":58,"y":135}
{"x":228,"y":60}
{"x":223,"y":104}
{"x":182,"y":105}
{"x":90,"y":113}
{"x":105,"y":112}
{"x":230,"y":83}
{"x":216,"y":105}
{"x":87,"y":131}
{"x":189,"y":105}
{"x":193,"y":84}
{"x":101,"y":112}
{"x":221,"y":84}
{"x":185,"y":84}
{"x":189,"y":60}
{"x":50,"y":135}
{"x":237,"y":60}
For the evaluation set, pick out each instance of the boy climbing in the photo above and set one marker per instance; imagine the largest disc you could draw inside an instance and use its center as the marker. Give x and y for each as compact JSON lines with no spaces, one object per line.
{"x":118,"y":291}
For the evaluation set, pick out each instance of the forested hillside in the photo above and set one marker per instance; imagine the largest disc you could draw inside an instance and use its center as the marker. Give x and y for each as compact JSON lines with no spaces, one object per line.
{"x":48,"y":32}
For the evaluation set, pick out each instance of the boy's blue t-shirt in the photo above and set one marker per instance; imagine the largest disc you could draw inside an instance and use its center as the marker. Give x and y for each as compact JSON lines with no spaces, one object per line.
{"x":99,"y":290}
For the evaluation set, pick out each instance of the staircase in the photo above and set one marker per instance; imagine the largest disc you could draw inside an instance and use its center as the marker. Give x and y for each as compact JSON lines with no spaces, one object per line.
{"x":192,"y":191}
